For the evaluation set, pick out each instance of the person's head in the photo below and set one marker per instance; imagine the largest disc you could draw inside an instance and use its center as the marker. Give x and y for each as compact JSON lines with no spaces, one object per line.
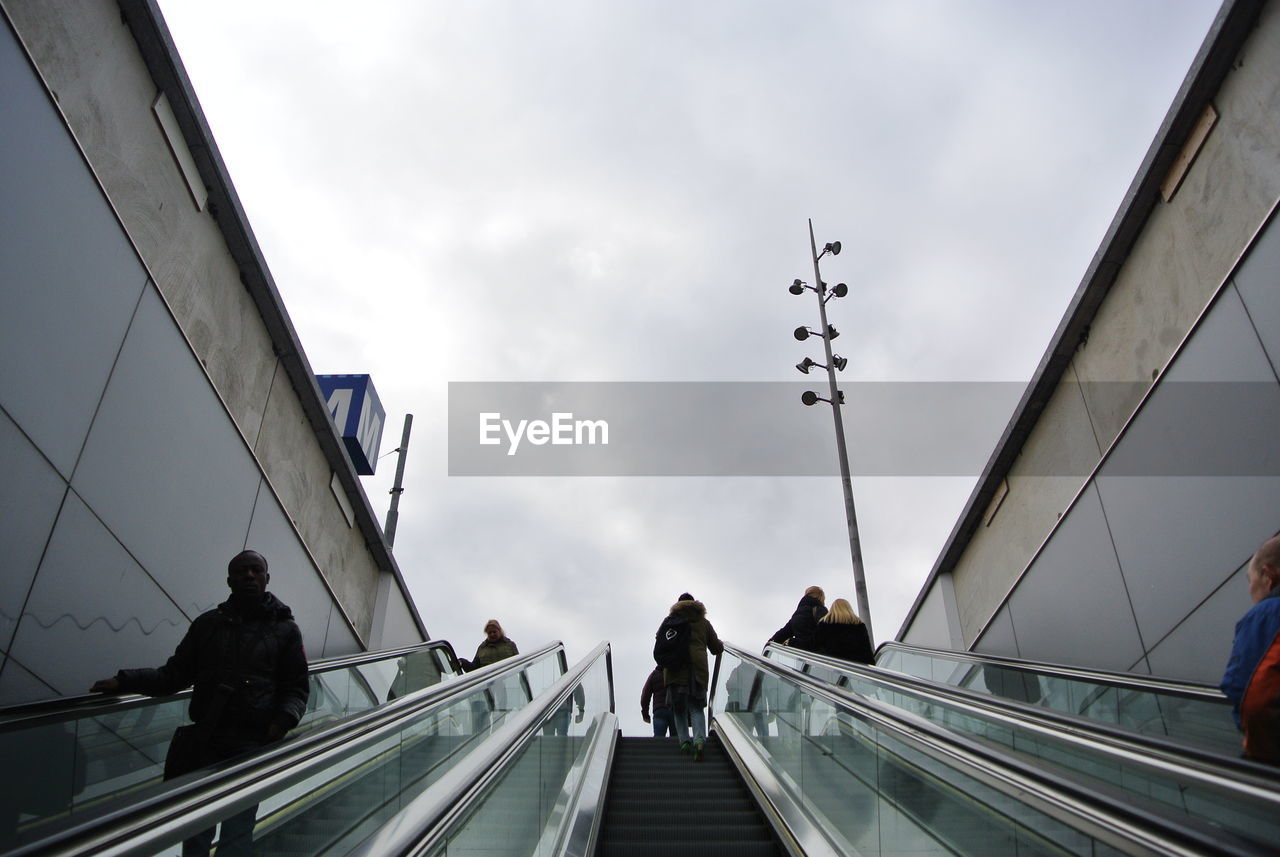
{"x":684,"y":596}
{"x":841,"y":612}
{"x":493,"y":631}
{"x":816,"y":592}
{"x":1264,"y":569}
{"x":247,"y":574}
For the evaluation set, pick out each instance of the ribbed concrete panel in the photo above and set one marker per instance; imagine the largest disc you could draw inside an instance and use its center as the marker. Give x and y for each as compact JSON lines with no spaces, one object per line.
{"x":166,"y":468}
{"x":338,"y":639}
{"x":30,"y":494}
{"x":1072,"y":607}
{"x":127,"y":622}
{"x":71,"y":278}
{"x":18,"y":684}
{"x":294,"y":579}
{"x":1198,"y":648}
{"x":1258,"y":282}
{"x":999,"y":637}
{"x":1180,"y":494}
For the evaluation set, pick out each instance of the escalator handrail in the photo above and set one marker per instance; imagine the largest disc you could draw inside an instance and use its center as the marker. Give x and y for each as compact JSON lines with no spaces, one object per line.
{"x":199,"y":802}
{"x":430,"y":816}
{"x":799,"y":835}
{"x":1104,"y":814}
{"x":1168,"y":686}
{"x":1209,"y":769}
{"x":61,"y":709}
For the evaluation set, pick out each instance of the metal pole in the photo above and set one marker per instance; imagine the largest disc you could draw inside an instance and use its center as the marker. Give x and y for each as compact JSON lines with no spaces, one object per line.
{"x":855,"y":544}
{"x":393,"y":514}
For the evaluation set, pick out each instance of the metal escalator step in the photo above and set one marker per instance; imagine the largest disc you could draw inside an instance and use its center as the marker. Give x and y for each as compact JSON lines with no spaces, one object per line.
{"x":705,"y":832}
{"x":668,"y":848}
{"x":662,"y":805}
{"x":732,"y":818}
{"x":662,"y":802}
{"x":706,"y":789}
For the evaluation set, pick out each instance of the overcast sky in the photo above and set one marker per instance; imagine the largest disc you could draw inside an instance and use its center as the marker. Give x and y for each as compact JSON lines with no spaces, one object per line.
{"x":619,"y":191}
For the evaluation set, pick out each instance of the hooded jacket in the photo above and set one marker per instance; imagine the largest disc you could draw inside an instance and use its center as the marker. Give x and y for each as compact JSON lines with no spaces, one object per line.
{"x":702,"y":639}
{"x":490,"y":653}
{"x":801,"y":629}
{"x":654,"y":689}
{"x":246,"y":666}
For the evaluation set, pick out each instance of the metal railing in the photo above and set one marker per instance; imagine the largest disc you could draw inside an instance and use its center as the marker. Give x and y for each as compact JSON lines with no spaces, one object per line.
{"x":462,"y":711}
{"x":838,"y":755}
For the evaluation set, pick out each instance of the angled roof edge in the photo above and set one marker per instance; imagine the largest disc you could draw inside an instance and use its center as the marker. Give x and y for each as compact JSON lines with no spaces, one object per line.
{"x":161,"y":56}
{"x":1231,"y":27}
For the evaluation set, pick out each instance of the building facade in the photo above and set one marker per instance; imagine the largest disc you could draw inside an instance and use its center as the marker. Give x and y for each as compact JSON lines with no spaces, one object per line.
{"x":157,"y":411}
{"x":1113,"y":523}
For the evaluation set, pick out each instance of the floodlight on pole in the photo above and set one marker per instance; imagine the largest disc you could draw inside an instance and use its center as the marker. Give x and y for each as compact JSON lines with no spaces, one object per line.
{"x":835,"y":362}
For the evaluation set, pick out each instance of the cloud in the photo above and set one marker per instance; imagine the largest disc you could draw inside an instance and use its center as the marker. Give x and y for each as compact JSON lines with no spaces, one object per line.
{"x":577,"y":191}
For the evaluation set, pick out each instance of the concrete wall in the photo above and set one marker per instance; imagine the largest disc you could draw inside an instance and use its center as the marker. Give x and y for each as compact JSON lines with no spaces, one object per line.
{"x":158,"y":426}
{"x":1186,"y":250}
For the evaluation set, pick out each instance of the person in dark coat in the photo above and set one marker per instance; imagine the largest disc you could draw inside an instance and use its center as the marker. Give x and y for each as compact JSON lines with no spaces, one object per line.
{"x":247,"y":668}
{"x":687,"y":683}
{"x":495,"y":647}
{"x":802,"y":627}
{"x":655,"y":689}
{"x":841,"y":634}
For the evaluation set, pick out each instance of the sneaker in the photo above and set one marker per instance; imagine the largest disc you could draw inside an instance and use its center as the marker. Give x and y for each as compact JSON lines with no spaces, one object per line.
{"x":697,"y":750}
{"x":684,"y":748}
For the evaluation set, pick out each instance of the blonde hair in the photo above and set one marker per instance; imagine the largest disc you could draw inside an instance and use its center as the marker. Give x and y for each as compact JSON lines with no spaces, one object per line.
{"x":841,"y":613}
{"x":816,"y":592}
{"x":495,"y":624}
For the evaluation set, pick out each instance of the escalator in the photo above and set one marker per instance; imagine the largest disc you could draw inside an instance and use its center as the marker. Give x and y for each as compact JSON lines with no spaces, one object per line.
{"x":1183,"y":712}
{"x":85,"y":755}
{"x":1228,"y":797}
{"x":383,"y":730}
{"x":524,"y":757}
{"x":829,"y":772}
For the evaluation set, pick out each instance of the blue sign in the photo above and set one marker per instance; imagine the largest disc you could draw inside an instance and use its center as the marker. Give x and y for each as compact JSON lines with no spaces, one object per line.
{"x":356,"y":411}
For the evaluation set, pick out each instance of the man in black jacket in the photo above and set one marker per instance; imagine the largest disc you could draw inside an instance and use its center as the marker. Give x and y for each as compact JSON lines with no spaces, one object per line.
{"x":247,"y":668}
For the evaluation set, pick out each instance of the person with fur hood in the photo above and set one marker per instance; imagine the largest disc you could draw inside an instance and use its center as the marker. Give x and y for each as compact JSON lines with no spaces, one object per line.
{"x":687,"y":684}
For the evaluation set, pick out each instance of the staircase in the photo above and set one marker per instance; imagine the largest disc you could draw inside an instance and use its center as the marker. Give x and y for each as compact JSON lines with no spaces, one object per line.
{"x":663,"y":803}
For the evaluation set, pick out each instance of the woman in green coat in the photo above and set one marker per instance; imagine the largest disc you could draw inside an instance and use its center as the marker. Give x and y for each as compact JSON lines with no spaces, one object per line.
{"x":687,"y":684}
{"x":495,"y":647}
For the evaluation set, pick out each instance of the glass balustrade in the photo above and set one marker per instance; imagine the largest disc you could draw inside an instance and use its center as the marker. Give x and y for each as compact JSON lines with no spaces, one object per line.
{"x":1248,"y":815}
{"x":329,"y":803}
{"x":1201,"y":719}
{"x":93,"y":757}
{"x":528,"y":809}
{"x":873,"y":792}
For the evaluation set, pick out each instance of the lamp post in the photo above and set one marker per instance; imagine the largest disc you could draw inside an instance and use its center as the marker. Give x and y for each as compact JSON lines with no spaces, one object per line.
{"x":397,"y":488}
{"x":834,"y":362}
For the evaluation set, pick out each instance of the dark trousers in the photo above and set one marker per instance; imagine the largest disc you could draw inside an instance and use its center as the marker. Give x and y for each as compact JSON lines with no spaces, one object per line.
{"x":664,"y":723}
{"x":195,"y":747}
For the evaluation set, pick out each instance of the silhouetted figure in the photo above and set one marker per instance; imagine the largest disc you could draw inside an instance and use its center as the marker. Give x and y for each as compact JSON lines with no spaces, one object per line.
{"x":841,"y":634}
{"x":802,"y":628}
{"x":655,"y":689}
{"x":687,"y":684}
{"x":247,"y":668}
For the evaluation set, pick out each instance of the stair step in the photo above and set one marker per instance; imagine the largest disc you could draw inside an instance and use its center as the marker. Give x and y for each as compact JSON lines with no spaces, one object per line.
{"x":661,"y":801}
